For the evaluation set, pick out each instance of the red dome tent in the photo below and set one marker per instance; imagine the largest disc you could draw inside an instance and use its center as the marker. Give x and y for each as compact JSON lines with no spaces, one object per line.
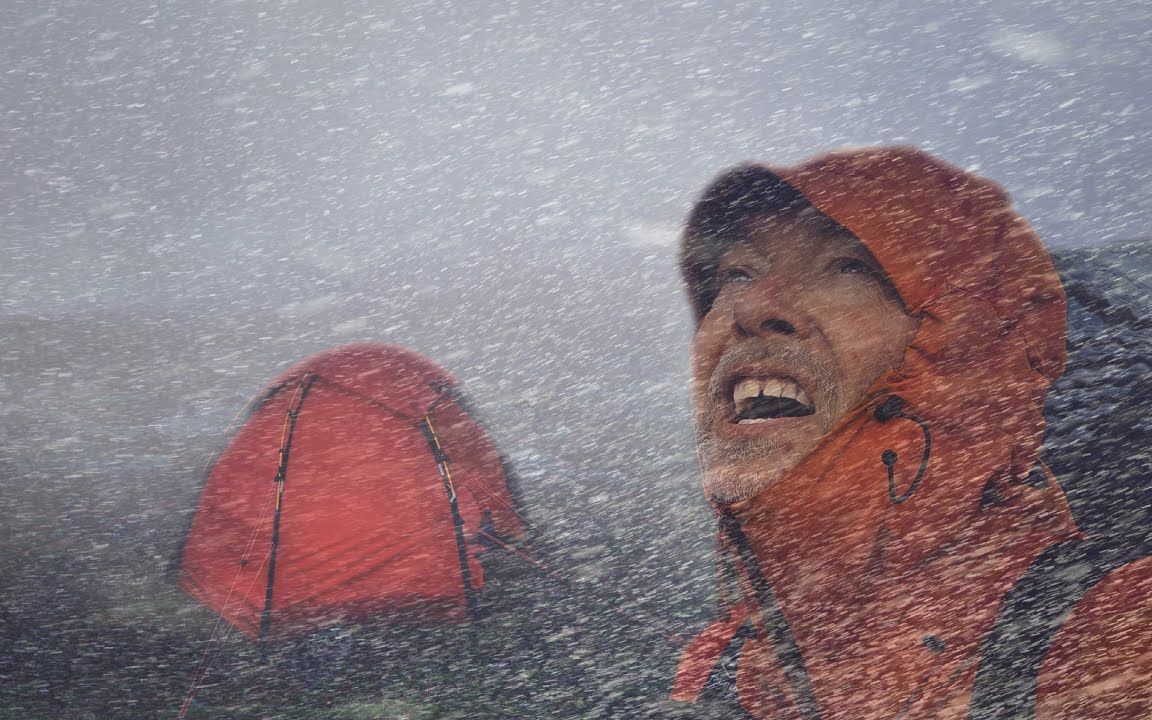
{"x":358,"y":487}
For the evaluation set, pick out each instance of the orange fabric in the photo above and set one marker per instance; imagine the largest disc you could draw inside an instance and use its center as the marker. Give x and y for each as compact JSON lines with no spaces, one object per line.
{"x":703,"y":652}
{"x":869,"y":587}
{"x":1100,"y":663}
{"x":366,"y":527}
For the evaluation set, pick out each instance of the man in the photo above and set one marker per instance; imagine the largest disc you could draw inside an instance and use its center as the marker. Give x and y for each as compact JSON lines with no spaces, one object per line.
{"x":876,"y":331}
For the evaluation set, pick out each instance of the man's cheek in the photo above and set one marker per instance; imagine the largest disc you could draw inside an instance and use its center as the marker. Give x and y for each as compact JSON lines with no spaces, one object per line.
{"x":700,"y":381}
{"x":703,"y":366}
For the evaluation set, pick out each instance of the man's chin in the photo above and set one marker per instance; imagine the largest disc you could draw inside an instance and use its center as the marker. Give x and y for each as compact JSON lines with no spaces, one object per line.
{"x":731,"y":484}
{"x":737,"y":470}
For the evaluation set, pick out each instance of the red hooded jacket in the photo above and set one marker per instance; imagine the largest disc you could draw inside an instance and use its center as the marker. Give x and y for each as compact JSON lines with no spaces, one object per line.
{"x":867,"y":604}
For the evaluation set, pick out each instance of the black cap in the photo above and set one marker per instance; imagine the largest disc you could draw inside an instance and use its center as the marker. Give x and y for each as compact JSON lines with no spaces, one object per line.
{"x":735,"y":196}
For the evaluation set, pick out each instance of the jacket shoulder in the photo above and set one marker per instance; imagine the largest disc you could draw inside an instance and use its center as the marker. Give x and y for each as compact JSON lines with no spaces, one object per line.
{"x":1099,"y":665}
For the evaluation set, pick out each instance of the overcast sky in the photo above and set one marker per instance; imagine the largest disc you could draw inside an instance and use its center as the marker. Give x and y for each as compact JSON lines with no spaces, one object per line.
{"x":146,"y":143}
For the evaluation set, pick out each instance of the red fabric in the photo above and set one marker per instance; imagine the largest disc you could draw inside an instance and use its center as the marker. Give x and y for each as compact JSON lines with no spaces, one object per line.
{"x":1100,"y":663}
{"x":366,"y":527}
{"x":704,"y":651}
{"x":868,"y":586}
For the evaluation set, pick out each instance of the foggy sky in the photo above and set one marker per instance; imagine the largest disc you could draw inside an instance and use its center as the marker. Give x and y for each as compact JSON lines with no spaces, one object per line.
{"x":147,"y":144}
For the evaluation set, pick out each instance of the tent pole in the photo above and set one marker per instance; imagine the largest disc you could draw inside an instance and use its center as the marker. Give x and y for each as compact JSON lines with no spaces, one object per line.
{"x":457,"y":521}
{"x":290,"y":416}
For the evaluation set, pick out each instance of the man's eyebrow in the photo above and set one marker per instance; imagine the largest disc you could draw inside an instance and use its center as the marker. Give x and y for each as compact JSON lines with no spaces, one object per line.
{"x":848,"y":245}
{"x":859,"y":252}
{"x":862,"y":253}
{"x":843,"y":238}
{"x":736,"y":251}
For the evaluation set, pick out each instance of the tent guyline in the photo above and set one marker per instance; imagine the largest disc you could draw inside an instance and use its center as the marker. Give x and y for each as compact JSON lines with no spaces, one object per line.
{"x":616,"y":600}
{"x":215,"y":639}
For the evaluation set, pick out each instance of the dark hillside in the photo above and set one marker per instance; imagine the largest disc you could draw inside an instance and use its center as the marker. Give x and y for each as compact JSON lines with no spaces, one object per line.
{"x":1099,"y":438}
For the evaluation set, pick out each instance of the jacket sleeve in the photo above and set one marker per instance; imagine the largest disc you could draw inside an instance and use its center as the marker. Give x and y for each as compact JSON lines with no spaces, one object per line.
{"x":1099,"y":665}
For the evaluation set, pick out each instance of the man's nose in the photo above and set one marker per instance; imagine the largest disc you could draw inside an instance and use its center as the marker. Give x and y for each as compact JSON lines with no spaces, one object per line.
{"x":770,"y":307}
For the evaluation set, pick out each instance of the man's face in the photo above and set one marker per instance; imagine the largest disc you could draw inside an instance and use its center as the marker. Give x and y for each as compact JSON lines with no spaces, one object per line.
{"x":804,"y":323}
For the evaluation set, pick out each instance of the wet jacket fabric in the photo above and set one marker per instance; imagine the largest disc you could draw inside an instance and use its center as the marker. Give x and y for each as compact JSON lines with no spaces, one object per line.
{"x":872,"y":572}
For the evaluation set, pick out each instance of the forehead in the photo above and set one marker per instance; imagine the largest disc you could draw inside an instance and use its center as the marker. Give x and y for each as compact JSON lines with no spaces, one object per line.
{"x":795,"y":234}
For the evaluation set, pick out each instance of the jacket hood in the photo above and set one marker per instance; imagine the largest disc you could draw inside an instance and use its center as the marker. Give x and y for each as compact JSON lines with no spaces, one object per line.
{"x":925,"y":503}
{"x":931,"y":225}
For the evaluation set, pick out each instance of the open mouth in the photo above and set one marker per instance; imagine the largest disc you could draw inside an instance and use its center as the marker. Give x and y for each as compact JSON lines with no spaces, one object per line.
{"x":759,"y":399}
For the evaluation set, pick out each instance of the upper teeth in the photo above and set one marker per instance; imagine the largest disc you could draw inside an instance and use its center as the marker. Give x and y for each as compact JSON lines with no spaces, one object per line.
{"x":748,"y":388}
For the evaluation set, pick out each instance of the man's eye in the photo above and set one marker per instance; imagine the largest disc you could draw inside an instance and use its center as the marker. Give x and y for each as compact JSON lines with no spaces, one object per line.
{"x":734,"y":275}
{"x":853,"y":266}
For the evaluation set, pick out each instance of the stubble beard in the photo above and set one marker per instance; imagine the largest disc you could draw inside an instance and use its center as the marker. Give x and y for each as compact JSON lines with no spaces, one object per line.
{"x":735,"y":469}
